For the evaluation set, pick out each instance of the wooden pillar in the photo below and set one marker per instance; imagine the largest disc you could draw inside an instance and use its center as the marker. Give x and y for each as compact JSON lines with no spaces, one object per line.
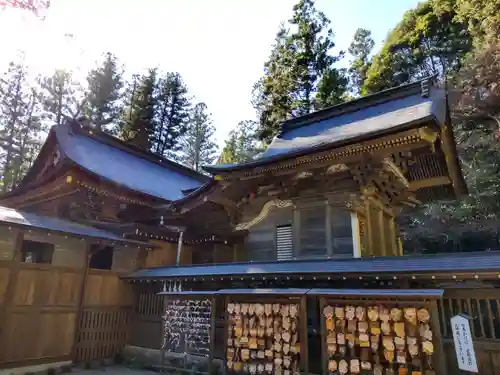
{"x":370,"y":243}
{"x":384,"y":242}
{"x":81,"y":303}
{"x":179,"y":249}
{"x":440,"y":364}
{"x":356,"y":235}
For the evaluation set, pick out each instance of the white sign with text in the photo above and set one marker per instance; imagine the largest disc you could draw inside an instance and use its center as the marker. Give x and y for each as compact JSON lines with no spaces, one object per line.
{"x":464,"y":347}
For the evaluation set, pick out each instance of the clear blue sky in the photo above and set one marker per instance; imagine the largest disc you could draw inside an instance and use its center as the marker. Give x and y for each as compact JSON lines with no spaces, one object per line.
{"x":218,"y":46}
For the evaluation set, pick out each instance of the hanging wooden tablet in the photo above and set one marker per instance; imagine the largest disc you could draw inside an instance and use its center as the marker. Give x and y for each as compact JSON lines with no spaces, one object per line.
{"x":396,"y":314}
{"x":373,"y":313}
{"x":423,"y":315}
{"x":411,"y":315}
{"x":343,"y":367}
{"x":355,"y":366}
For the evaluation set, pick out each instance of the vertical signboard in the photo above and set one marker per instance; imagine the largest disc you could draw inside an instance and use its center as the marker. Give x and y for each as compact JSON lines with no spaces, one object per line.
{"x":464,"y":347}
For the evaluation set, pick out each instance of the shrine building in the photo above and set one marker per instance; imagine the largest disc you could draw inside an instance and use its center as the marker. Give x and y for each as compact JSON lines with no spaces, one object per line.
{"x":289,"y":264}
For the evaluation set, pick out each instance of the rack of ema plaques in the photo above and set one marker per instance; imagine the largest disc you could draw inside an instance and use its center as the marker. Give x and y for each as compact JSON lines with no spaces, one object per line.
{"x":188,"y":331}
{"x":266,"y":332}
{"x":373,"y":333}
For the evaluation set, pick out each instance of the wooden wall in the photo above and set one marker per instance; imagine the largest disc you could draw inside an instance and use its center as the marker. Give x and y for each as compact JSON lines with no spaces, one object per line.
{"x":61,"y":311}
{"x":166,"y":254}
{"x":39,"y":312}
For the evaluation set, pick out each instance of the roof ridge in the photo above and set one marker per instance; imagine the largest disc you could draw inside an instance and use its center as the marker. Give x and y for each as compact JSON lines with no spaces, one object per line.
{"x":422,"y":85}
{"x":112,"y":141}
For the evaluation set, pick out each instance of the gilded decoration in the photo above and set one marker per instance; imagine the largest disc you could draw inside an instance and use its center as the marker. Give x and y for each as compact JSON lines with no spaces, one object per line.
{"x":270,"y":205}
{"x":385,"y":144}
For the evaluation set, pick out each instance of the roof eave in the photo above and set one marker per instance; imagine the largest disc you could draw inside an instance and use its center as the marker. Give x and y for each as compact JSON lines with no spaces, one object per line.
{"x":364,"y":137}
{"x":123,"y":241}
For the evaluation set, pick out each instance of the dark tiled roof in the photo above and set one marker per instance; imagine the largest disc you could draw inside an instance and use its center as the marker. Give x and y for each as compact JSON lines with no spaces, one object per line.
{"x":12,"y":217}
{"x":353,"y":121}
{"x":164,"y":180}
{"x":429,"y":293}
{"x":189,"y":293}
{"x":436,"y":293}
{"x":465,"y":262}
{"x":274,"y":291}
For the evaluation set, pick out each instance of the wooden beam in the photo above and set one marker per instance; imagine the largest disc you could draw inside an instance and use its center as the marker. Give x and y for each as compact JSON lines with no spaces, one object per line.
{"x":430,"y":182}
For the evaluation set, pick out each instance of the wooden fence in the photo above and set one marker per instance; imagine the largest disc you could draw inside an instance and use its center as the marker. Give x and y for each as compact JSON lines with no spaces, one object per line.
{"x":41,"y":307}
{"x":483,"y":307}
{"x":38,"y":312}
{"x":106,"y":316}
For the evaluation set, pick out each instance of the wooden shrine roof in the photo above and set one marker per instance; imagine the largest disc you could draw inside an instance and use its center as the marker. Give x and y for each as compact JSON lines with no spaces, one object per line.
{"x":442,"y":263}
{"x":362,"y":119}
{"x":115,"y":161}
{"x":28,"y":220}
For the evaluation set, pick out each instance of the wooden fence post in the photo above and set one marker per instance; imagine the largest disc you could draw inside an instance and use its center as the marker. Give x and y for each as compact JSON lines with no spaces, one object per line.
{"x":81,"y":302}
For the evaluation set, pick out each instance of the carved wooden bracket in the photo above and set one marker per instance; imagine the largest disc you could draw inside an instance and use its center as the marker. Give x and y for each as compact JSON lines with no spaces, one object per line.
{"x":270,"y":205}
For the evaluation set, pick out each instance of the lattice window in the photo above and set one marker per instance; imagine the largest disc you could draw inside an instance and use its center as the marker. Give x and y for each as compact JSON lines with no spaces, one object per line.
{"x":284,"y":242}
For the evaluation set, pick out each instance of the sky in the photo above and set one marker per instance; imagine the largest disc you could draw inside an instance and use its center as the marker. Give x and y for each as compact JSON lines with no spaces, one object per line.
{"x":218,"y":46}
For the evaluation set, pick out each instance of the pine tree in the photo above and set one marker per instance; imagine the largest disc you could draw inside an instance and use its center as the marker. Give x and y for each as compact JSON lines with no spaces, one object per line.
{"x":138,"y":121}
{"x":300,"y":75}
{"x":105,"y":83}
{"x":242,"y":144}
{"x":197,"y":145}
{"x":360,"y":49}
{"x":62,"y":96}
{"x":314,"y":62}
{"x":20,"y":124}
{"x":172,"y":114}
{"x":273,"y":93}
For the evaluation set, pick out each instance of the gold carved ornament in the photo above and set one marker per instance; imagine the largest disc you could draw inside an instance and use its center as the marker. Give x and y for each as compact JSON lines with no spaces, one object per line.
{"x":276,"y":203}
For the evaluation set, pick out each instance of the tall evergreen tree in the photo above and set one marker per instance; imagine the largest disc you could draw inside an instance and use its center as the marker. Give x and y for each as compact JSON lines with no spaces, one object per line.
{"x":360,"y":49}
{"x":138,"y":121}
{"x":197,"y":147}
{"x":313,"y":62}
{"x":103,"y":99}
{"x":62,"y":96}
{"x":172,"y":115}
{"x":273,"y":93}
{"x":20,"y":124}
{"x":300,"y":75}
{"x":242,"y":144}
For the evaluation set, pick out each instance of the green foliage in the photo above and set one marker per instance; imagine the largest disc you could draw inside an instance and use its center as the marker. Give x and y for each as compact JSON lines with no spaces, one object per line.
{"x":157,"y":113}
{"x":272,"y":94}
{"x":242,"y":144}
{"x":173,"y":108}
{"x":103,"y":99}
{"x":197,"y":145}
{"x":138,"y":123}
{"x":482,"y":17}
{"x":20,"y":124}
{"x":300,"y":75}
{"x":62,"y":96}
{"x":473,"y":221}
{"x":360,"y":49}
{"x":424,"y":43}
